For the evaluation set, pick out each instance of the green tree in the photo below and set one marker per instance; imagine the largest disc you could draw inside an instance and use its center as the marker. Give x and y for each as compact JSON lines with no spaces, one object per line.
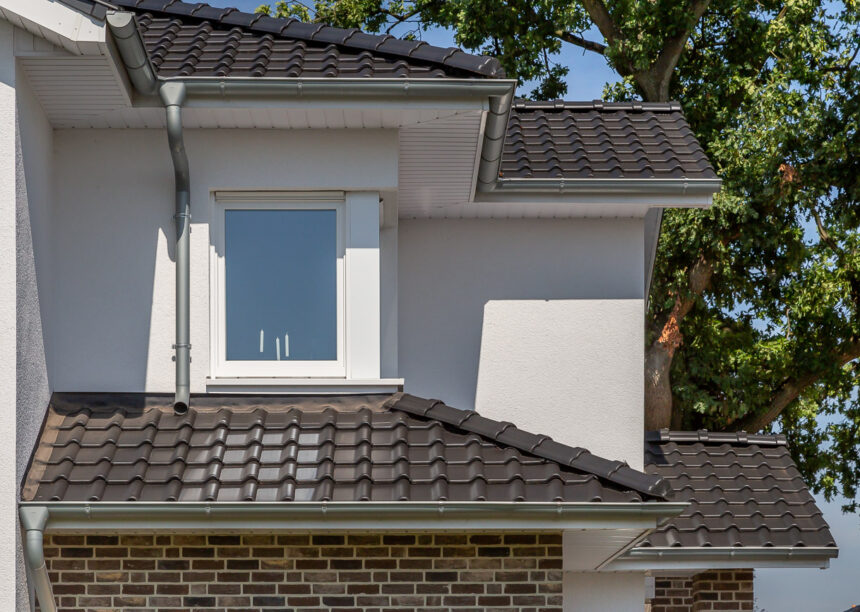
{"x":754,"y":319}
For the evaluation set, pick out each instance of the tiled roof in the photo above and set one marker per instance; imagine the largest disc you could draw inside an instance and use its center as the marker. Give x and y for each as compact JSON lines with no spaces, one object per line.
{"x":744,"y":491}
{"x":186,"y":39}
{"x":544,"y":140}
{"x":601,"y":140}
{"x":110,"y":447}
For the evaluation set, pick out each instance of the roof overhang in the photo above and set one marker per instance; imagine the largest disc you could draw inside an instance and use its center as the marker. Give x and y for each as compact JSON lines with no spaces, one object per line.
{"x":688,"y":558}
{"x":494,"y":97}
{"x":75,"y":31}
{"x":373,"y":516}
{"x":675,"y":192}
{"x":617,"y":197}
{"x":613,"y":527}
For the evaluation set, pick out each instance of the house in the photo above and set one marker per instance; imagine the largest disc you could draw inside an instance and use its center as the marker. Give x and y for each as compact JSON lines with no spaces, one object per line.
{"x":246,"y":249}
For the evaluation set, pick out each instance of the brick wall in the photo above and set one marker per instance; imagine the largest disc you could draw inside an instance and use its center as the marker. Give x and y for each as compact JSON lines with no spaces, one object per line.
{"x":724,"y":590}
{"x":364,"y":572}
{"x":672,"y":594}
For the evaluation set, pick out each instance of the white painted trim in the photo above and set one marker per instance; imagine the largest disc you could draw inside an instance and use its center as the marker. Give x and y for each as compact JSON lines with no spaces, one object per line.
{"x":359,"y":324}
{"x":363,"y":324}
{"x":57,"y":23}
{"x":221,"y":367}
{"x":667,"y":558}
{"x":277,"y":196}
{"x":303,"y":386}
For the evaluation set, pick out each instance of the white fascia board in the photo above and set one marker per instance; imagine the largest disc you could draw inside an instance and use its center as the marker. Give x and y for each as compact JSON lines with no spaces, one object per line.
{"x":373,"y":516}
{"x":660,"y":558}
{"x":62,"y":25}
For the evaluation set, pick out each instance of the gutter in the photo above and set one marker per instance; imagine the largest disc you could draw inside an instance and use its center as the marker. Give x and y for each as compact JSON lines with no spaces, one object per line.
{"x":372,"y":516}
{"x":722,"y":557}
{"x":681,"y":186}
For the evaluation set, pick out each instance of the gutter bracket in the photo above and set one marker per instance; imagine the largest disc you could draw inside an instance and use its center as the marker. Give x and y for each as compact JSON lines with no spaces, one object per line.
{"x":33,"y":520}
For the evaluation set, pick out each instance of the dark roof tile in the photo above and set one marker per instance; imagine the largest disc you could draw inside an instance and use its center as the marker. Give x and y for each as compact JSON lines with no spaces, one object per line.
{"x":325,"y":51}
{"x":601,"y":140}
{"x":744,"y":490}
{"x":380,"y":448}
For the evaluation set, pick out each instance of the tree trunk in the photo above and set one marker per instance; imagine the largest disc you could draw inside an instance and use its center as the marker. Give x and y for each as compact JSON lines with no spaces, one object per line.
{"x":658,"y":356}
{"x":654,"y":88}
{"x":658,"y":387}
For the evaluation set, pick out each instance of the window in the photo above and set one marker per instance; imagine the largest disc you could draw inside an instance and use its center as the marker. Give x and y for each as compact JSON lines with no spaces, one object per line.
{"x":279,"y":287}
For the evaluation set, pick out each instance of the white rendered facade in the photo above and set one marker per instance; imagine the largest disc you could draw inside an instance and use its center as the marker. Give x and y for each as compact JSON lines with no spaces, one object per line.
{"x":529,"y":311}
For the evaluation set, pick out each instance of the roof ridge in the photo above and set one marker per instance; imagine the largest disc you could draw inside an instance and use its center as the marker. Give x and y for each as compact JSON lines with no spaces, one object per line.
{"x":598,"y":105}
{"x":539,"y":445}
{"x":385,"y":44}
{"x":716,"y":437}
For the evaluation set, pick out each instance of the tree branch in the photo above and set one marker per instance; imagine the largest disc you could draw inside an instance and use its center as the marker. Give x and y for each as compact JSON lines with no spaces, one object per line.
{"x":398,"y":18}
{"x":826,"y":238}
{"x":579,"y":41}
{"x":602,"y":19}
{"x":791,"y":389}
{"x":660,"y":72}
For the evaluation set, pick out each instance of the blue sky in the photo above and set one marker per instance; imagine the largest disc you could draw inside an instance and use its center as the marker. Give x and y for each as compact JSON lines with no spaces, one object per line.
{"x":776,"y":589}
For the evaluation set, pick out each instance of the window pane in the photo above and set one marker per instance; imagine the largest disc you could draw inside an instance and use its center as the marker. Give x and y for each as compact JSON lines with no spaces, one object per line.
{"x":281,"y":285}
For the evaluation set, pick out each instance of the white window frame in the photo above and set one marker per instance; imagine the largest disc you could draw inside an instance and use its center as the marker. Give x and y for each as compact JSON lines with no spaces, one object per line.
{"x":224,"y":201}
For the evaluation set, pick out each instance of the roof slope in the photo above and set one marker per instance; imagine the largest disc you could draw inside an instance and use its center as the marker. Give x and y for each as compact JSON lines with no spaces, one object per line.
{"x":200,"y":40}
{"x":745,"y":491}
{"x":574,"y":140}
{"x":132,"y":447}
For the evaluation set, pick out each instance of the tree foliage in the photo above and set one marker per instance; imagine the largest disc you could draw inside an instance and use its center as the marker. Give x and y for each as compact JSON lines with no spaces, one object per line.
{"x":754,"y":318}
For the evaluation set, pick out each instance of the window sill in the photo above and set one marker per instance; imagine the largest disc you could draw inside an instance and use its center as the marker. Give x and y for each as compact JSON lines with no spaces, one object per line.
{"x":303,"y":386}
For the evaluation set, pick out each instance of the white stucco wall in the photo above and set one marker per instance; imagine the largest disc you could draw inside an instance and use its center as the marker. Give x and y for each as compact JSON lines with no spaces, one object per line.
{"x":113,"y":246}
{"x":8,"y":199}
{"x":33,"y":249}
{"x":602,"y":592}
{"x":473,"y":318}
{"x":460,"y":318}
{"x":568,"y":368}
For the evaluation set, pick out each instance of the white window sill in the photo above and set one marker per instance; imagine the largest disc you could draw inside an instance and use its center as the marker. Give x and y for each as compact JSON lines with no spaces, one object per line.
{"x":303,"y":386}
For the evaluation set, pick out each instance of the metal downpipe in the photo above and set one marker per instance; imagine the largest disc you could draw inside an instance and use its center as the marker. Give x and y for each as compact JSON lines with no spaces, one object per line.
{"x":494,"y":138}
{"x":34,"y":519}
{"x":173,"y":95}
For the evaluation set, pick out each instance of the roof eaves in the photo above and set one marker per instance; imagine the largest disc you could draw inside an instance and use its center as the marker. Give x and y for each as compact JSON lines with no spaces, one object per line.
{"x":105,"y":515}
{"x":724,"y":557}
{"x":689,"y":187}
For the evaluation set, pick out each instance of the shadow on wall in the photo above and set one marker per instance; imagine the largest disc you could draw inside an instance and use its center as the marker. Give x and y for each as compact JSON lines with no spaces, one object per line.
{"x":451,"y":270}
{"x":112,"y":259}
